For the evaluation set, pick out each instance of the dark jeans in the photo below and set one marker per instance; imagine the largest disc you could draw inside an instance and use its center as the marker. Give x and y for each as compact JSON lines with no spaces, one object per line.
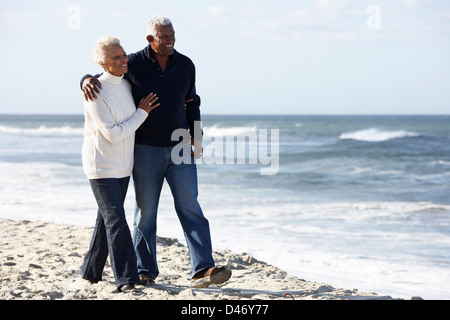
{"x":111,"y":235}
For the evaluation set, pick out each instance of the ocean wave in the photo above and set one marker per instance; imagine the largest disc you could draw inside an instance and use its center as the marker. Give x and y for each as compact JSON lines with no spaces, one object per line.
{"x":376,"y":135}
{"x":441,"y":162}
{"x":216,"y":131}
{"x":42,"y":130}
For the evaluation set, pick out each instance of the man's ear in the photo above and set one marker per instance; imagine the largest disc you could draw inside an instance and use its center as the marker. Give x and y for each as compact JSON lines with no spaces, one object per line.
{"x":150,"y":39}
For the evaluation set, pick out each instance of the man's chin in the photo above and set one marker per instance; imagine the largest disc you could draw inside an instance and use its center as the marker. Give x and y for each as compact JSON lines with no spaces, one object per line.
{"x":169,"y":51}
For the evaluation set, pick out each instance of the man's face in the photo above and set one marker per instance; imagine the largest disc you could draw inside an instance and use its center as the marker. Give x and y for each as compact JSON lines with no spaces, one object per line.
{"x":163,"y":43}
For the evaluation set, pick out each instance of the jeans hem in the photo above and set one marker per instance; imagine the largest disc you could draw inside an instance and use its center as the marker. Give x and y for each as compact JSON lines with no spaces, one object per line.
{"x":122,"y":283}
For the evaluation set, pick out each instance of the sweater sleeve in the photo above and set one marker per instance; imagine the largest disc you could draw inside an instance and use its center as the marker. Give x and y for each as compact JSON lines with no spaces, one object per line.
{"x":193,"y":108}
{"x":104,"y":121}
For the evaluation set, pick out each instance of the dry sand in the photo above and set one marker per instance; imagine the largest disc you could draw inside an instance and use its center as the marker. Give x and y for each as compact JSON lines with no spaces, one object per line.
{"x":41,"y":261}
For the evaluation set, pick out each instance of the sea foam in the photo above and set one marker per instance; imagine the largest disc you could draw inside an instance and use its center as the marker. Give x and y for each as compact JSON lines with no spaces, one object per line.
{"x":215,"y":131}
{"x":376,"y":135}
{"x":42,"y":130}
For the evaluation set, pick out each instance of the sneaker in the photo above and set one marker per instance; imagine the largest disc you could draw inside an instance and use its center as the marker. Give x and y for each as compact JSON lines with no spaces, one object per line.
{"x":207,"y":277}
{"x":146,"y":280}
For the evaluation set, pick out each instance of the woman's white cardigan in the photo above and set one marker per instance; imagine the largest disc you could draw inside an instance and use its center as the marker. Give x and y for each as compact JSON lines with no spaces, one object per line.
{"x":110,"y":124}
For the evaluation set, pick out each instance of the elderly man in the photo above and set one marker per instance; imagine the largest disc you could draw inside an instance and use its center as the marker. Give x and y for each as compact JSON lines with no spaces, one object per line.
{"x":159,"y":68}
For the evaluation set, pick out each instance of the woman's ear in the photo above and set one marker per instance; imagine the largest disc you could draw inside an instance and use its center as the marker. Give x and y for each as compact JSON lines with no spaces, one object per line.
{"x":104,"y":66}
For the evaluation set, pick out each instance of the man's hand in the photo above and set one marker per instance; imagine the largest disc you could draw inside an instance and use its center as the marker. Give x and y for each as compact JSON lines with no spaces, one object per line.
{"x":90,"y":87}
{"x":198,"y":149}
{"x":187,"y":101}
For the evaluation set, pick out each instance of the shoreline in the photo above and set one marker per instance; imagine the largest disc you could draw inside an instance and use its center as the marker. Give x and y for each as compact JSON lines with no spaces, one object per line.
{"x":42,"y":261}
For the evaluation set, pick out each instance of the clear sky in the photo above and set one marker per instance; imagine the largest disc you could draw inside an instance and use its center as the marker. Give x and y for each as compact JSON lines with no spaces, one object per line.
{"x":252,"y":56}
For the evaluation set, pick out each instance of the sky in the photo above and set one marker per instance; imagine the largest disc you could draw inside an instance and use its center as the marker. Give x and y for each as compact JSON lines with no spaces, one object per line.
{"x":251,"y":56}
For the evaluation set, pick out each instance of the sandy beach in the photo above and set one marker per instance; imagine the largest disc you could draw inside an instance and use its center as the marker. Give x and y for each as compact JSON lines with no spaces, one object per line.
{"x":41,"y":261}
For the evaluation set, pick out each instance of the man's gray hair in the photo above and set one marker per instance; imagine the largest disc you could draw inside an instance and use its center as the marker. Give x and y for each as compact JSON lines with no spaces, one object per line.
{"x":98,"y":52}
{"x":155,"y":22}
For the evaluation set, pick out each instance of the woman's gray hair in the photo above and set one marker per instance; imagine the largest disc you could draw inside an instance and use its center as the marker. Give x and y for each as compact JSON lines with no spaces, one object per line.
{"x":98,"y":52}
{"x":155,"y":22}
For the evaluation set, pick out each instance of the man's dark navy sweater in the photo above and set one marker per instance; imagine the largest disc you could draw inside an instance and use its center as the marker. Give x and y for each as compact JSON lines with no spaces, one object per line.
{"x":174,"y":87}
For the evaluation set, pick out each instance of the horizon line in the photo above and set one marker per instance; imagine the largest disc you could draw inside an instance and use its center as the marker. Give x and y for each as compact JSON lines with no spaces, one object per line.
{"x":254,"y":114}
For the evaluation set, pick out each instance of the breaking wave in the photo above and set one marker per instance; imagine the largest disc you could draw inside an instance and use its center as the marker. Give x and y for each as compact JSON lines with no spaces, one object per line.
{"x":42,"y":130}
{"x":376,"y":135}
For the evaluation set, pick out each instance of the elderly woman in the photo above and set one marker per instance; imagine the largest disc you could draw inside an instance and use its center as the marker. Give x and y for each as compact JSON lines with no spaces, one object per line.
{"x":110,"y":125}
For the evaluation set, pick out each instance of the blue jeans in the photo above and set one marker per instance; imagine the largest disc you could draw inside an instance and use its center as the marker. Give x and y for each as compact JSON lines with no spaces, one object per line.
{"x":151,"y":166}
{"x":111,"y":235}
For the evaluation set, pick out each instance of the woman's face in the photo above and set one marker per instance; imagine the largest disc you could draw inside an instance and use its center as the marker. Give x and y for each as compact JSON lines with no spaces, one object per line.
{"x":116,"y":60}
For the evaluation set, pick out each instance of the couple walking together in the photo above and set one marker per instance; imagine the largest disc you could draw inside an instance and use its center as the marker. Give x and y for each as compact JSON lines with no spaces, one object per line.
{"x":122,"y":139}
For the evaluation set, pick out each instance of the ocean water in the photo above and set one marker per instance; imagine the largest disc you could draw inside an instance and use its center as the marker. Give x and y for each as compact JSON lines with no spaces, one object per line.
{"x":353,"y":201}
